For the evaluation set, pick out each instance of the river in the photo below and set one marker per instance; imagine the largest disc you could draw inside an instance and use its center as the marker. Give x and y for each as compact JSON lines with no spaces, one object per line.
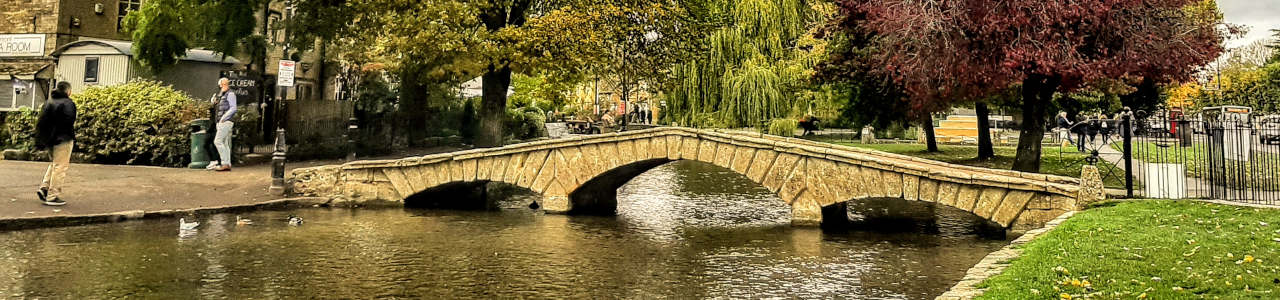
{"x":683,"y":230}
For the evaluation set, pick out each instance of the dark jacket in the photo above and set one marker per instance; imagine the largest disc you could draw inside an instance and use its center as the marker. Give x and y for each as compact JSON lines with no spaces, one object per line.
{"x":57,"y":122}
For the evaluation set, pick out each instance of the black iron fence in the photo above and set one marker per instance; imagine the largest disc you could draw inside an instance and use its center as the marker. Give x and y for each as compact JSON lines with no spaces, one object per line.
{"x":1227,"y":157}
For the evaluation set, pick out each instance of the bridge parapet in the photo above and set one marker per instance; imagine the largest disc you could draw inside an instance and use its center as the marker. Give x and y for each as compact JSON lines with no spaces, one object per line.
{"x":807,"y":175}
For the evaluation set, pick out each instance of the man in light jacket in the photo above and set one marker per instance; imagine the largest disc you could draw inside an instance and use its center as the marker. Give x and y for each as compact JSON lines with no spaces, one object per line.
{"x":225,"y":107}
{"x":56,"y":131}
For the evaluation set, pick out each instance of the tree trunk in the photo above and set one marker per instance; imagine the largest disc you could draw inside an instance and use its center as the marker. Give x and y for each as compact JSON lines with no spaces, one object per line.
{"x":493,"y":106}
{"x":413,"y":99}
{"x":1037,"y":91}
{"x":985,"y":150}
{"x":929,"y":138}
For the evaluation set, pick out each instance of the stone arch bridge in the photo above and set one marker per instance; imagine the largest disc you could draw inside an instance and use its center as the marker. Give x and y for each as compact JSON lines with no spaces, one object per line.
{"x":581,"y":175}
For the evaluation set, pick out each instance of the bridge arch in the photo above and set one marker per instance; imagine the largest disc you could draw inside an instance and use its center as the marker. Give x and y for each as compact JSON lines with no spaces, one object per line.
{"x":578,"y":173}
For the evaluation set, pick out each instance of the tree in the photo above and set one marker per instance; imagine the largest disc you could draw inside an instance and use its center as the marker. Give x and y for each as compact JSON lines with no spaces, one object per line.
{"x":873,"y":98}
{"x":456,"y":40}
{"x":948,"y":50}
{"x":163,"y":30}
{"x":753,"y":65}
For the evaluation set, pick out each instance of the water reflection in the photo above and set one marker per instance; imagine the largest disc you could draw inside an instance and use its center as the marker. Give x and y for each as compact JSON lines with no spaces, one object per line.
{"x":684,"y":230}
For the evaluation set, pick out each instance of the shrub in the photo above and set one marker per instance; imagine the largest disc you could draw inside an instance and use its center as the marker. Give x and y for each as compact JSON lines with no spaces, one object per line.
{"x":783,"y":127}
{"x":140,"y":122}
{"x":248,"y":128}
{"x":526,"y":123}
{"x":19,"y":130}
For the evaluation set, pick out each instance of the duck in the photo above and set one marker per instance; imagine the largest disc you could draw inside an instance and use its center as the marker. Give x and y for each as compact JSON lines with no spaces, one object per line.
{"x":243,"y":222}
{"x":183,"y":225}
{"x":295,"y":220}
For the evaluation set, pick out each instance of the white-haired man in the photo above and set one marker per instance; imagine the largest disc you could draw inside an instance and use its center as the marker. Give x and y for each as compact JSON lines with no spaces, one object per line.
{"x":225,"y":107}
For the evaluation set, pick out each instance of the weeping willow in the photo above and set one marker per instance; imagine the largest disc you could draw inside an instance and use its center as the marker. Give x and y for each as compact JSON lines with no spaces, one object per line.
{"x":751,"y":68}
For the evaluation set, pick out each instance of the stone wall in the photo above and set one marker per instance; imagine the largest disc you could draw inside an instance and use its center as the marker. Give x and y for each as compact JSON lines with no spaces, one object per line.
{"x":806,"y":175}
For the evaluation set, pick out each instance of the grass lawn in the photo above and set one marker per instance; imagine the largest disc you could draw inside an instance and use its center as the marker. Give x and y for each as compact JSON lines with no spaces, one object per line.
{"x":1066,"y":164}
{"x":1152,"y":249}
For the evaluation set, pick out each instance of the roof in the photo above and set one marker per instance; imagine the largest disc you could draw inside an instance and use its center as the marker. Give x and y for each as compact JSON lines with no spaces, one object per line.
{"x":126,"y":48}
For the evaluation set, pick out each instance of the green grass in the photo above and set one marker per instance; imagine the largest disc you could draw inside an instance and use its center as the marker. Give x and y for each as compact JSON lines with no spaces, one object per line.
{"x":1153,"y":249}
{"x":1261,"y":172}
{"x":1051,"y":162}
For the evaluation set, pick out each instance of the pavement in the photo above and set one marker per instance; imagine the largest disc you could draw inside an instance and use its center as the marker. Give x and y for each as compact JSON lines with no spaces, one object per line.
{"x":101,"y":189}
{"x":102,"y":193}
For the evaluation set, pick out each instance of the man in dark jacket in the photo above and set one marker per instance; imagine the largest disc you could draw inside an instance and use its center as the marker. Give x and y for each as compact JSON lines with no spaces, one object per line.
{"x":56,"y":131}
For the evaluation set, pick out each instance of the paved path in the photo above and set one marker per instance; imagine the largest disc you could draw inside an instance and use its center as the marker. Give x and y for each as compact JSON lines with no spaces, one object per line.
{"x":98,"y":189}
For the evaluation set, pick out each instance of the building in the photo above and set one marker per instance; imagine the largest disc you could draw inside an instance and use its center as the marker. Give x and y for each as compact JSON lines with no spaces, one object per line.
{"x":89,"y":63}
{"x":32,"y":29}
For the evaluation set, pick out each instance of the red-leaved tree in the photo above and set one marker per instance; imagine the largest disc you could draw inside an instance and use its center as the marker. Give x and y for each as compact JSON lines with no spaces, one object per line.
{"x":943,"y":51}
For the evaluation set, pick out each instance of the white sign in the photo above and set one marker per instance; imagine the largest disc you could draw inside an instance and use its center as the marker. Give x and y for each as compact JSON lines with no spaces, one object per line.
{"x":284,"y":77}
{"x":20,"y":45}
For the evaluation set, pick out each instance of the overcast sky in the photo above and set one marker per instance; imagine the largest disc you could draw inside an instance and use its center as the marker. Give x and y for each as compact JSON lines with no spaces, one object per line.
{"x":1259,"y":15}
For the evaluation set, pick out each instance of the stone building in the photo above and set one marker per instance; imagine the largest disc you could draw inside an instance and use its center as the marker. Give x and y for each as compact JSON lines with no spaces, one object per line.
{"x":32,"y":29}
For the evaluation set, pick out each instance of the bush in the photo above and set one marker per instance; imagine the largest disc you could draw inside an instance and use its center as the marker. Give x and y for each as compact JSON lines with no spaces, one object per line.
{"x":526,"y":123}
{"x":141,"y":122}
{"x":19,"y":130}
{"x":782,"y":127}
{"x":248,"y":128}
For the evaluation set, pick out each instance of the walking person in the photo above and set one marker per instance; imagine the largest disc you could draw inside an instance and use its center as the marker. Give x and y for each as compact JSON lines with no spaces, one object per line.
{"x":56,"y":131}
{"x":225,"y":109}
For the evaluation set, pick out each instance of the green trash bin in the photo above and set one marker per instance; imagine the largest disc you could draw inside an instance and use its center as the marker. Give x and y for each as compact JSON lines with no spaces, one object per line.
{"x":200,"y":129}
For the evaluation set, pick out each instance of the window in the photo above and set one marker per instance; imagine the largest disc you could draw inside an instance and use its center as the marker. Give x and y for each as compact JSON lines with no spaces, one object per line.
{"x":126,"y":6}
{"x":277,"y":29}
{"x":90,"y":70}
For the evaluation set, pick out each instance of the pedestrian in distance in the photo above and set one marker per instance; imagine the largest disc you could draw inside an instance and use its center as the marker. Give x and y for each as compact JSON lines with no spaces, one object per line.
{"x":225,"y":106}
{"x":56,"y":131}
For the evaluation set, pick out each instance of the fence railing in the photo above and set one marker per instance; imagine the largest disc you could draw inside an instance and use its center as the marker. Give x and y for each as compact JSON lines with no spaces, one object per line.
{"x":1235,"y":159}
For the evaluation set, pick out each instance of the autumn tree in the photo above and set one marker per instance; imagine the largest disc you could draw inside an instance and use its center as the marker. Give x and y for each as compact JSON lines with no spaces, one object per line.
{"x":950,"y":50}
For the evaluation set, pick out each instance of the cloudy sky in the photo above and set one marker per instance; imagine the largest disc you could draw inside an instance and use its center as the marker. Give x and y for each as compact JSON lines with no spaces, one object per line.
{"x":1259,"y":15}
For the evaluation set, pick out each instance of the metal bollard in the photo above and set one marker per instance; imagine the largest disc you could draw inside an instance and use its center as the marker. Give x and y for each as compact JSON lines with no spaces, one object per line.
{"x":353,"y":128}
{"x":277,"y":165}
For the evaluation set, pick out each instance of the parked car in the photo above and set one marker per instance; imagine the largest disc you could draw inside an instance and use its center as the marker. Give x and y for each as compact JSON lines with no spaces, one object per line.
{"x":1269,"y":129}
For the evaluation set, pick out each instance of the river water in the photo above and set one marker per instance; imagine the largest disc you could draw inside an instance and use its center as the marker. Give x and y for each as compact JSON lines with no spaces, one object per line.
{"x":683,"y":230}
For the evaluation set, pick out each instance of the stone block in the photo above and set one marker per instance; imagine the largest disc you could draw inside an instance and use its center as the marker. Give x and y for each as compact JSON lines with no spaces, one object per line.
{"x":910,"y":187}
{"x":642,"y":150}
{"x":532,"y":165}
{"x":455,"y":171}
{"x":658,"y":147}
{"x":626,"y":152}
{"x":724,"y":155}
{"x":892,"y":184}
{"x":675,"y":147}
{"x":806,"y":213}
{"x":1091,"y":188}
{"x":795,"y":183}
{"x":947,"y":193}
{"x":689,"y":148}
{"x":707,"y":151}
{"x":513,"y":168}
{"x":967,"y":197}
{"x":609,"y":156}
{"x":399,"y":182}
{"x":500,"y":165}
{"x":1013,"y":203}
{"x":989,"y":201}
{"x":928,"y":190}
{"x":742,"y":157}
{"x":484,"y":167}
{"x":546,"y":173}
{"x":760,"y":165}
{"x":873,"y":181}
{"x":469,"y":169}
{"x":820,"y":175}
{"x":555,"y":204}
{"x":782,"y":167}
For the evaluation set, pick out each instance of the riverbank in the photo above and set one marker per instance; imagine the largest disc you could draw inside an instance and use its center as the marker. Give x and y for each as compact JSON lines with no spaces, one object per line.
{"x":1153,"y":249}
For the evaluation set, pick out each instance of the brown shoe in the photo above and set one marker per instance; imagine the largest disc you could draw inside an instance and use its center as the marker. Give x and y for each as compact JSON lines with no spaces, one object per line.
{"x":223,"y":168}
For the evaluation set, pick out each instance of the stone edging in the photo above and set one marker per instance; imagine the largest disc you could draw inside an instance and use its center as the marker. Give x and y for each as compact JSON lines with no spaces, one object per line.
{"x":60,"y":221}
{"x":995,"y":262}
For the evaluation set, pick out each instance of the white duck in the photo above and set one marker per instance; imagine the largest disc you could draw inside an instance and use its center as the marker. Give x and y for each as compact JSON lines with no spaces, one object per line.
{"x":243,"y":222}
{"x":295,"y":220}
{"x":183,"y":225}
